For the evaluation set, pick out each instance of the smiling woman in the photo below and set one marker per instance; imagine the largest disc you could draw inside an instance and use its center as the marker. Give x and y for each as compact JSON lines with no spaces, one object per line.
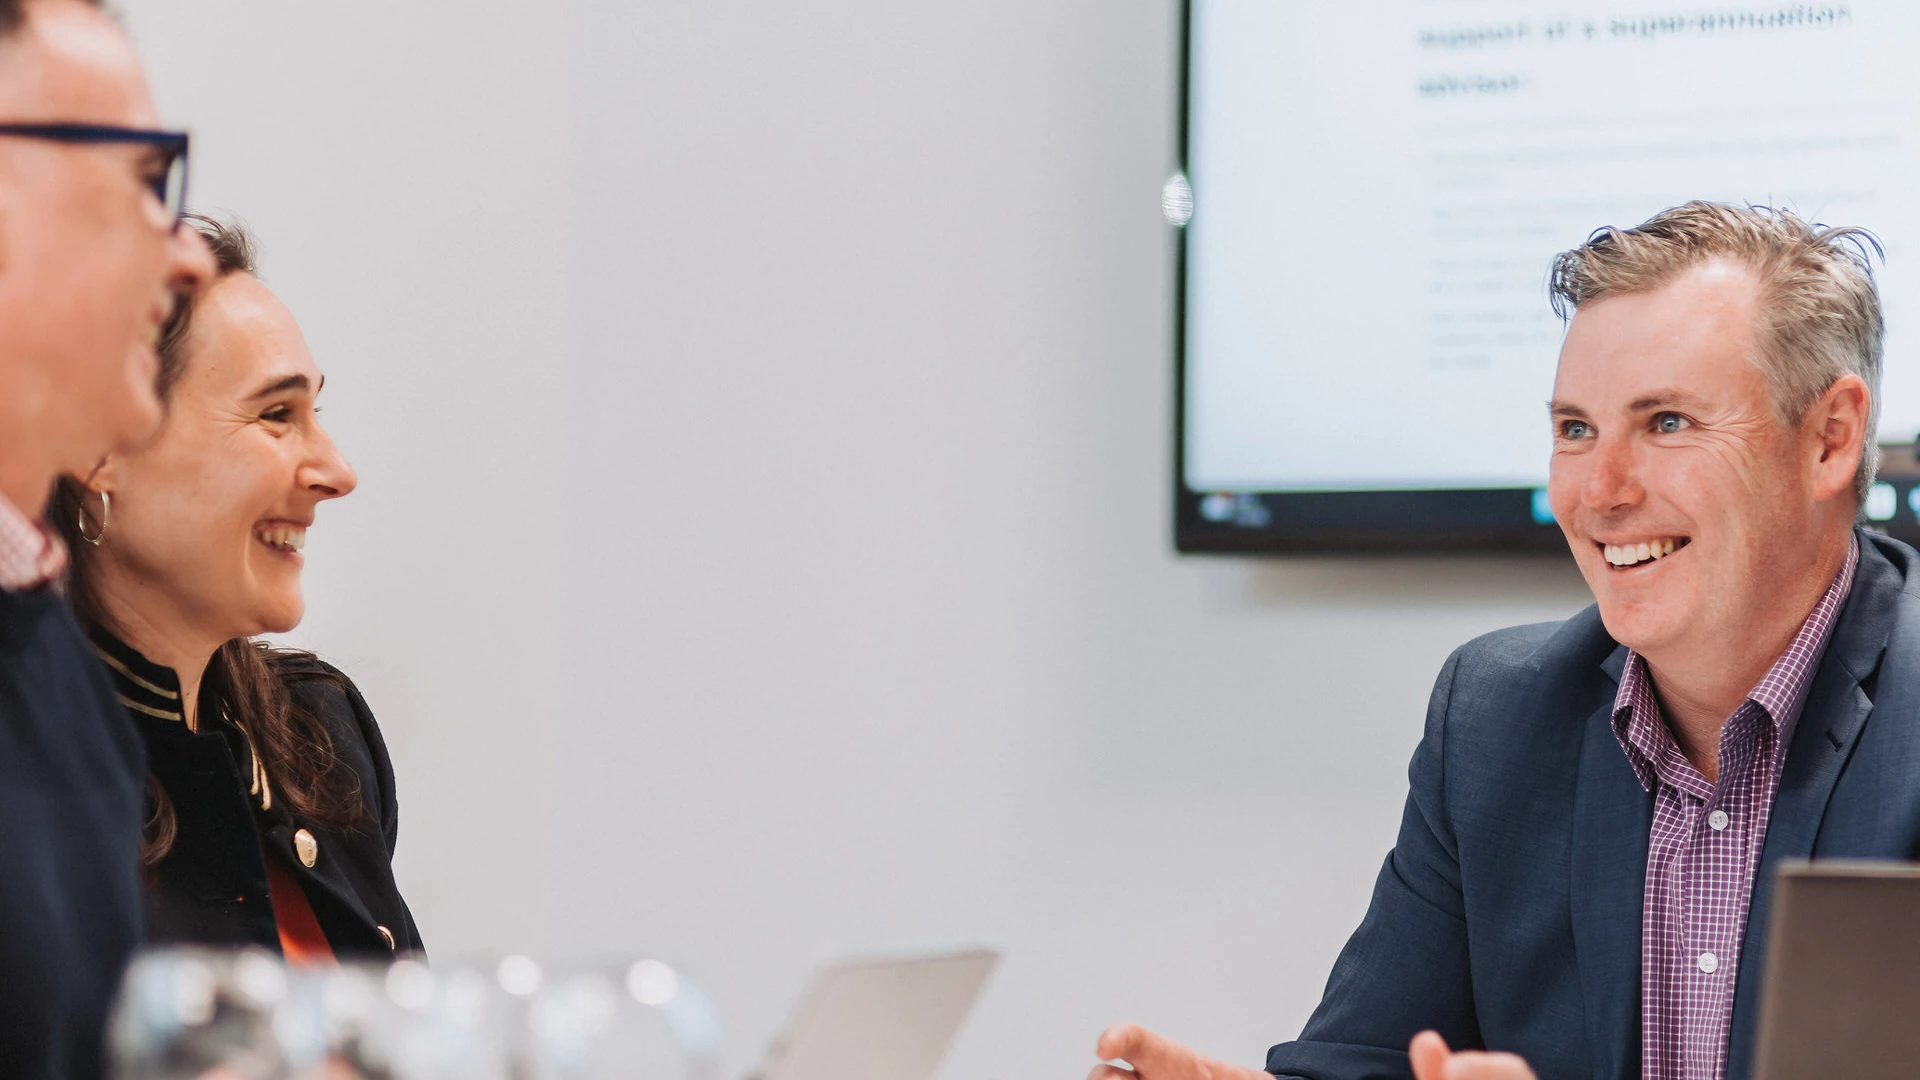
{"x":272,"y":817}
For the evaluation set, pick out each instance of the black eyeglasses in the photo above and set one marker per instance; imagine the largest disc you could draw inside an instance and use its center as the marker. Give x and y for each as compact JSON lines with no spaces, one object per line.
{"x":170,"y":186}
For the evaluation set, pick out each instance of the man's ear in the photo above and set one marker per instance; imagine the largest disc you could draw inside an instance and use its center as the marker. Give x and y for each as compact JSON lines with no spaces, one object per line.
{"x":1836,"y":430}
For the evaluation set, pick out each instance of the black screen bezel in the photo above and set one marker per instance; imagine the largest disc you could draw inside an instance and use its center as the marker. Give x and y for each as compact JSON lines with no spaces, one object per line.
{"x":1428,"y":520}
{"x":1410,"y":520}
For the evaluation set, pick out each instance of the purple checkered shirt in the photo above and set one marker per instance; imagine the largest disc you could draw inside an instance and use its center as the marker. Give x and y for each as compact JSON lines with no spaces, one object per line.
{"x":1705,"y":846}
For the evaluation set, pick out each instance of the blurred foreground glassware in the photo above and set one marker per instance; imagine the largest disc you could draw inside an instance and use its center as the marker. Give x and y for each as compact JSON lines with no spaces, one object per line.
{"x":402,"y":1021}
{"x":635,"y":1021}
{"x":201,"y":1014}
{"x":183,"y":1013}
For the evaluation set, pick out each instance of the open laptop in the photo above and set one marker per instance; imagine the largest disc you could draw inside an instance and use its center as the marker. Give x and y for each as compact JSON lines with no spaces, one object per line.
{"x":879,"y":1019}
{"x":1842,"y":992}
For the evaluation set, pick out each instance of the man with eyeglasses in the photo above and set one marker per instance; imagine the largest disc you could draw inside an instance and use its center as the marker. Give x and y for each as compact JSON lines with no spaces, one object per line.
{"x":91,"y":259}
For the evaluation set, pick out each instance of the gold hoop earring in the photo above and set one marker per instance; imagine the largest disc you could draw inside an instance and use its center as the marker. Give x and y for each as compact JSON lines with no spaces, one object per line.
{"x":106,"y":512}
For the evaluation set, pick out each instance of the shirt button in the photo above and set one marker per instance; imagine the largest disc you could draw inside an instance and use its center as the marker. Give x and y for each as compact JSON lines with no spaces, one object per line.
{"x":1717,"y":819}
{"x":1709,"y":963}
{"x":305,"y":846}
{"x":386,"y":935}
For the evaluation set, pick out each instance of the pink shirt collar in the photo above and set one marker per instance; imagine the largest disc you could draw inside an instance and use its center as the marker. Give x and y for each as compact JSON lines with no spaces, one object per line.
{"x":1779,"y":693}
{"x":30,"y":554}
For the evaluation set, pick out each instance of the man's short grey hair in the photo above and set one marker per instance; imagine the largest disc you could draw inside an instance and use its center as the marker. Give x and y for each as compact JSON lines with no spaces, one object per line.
{"x":1819,"y":310}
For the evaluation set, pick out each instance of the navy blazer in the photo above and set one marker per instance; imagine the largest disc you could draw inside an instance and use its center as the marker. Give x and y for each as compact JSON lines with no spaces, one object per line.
{"x":1507,"y":916}
{"x":71,"y":782}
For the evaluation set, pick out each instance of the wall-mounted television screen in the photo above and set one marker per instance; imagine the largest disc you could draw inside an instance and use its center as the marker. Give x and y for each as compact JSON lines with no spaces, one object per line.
{"x":1372,"y":193}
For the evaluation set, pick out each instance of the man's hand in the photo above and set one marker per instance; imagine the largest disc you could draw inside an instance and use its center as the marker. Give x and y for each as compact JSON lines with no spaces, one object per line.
{"x":1433,"y":1061}
{"x":1155,"y":1058}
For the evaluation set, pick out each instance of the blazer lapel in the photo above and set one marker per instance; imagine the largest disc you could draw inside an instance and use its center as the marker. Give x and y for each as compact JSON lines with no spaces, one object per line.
{"x":1830,"y":723}
{"x":1612,"y":816}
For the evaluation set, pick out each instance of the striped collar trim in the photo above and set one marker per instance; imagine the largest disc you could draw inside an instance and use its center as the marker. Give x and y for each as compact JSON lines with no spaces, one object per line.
{"x":143,"y":686}
{"x":152,"y":690}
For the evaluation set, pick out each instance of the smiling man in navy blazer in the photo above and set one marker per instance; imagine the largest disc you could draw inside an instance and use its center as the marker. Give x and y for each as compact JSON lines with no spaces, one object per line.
{"x":1583,"y":875}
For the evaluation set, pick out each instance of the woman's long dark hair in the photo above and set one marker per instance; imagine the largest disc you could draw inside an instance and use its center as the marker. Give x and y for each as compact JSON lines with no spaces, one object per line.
{"x":240,"y":683}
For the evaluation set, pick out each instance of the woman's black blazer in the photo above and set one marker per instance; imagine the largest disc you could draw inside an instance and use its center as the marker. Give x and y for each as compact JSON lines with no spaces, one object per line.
{"x":211,"y":887}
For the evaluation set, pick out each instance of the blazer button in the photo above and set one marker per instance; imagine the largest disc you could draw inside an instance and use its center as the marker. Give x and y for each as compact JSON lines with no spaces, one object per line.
{"x":387,"y":934}
{"x":306,"y":847}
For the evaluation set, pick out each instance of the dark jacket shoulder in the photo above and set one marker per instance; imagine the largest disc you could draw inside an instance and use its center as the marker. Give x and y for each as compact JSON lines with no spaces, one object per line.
{"x":325,"y":692}
{"x":351,"y":882}
{"x":1520,"y":662}
{"x":1509,"y":711}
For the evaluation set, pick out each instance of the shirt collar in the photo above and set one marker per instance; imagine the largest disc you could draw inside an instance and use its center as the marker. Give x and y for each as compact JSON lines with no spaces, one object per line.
{"x":30,"y":554}
{"x":1780,"y":693}
{"x":152,"y":690}
{"x":143,"y":686}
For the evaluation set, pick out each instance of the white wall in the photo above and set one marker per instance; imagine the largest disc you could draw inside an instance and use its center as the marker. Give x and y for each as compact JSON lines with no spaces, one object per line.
{"x":762,"y":411}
